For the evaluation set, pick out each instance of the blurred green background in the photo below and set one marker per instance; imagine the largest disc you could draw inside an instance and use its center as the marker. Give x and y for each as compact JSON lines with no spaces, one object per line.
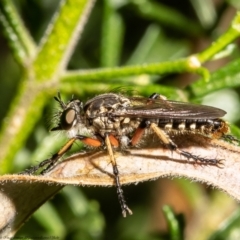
{"x":122,"y":32}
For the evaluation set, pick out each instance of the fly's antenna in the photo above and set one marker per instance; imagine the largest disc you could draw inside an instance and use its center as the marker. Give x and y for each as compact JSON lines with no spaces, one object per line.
{"x":59,"y":100}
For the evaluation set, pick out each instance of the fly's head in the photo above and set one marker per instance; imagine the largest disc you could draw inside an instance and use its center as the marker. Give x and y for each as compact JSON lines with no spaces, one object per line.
{"x":69,"y":117}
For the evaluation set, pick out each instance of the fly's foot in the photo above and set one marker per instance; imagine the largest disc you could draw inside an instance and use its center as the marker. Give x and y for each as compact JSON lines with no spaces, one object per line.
{"x":200,"y":160}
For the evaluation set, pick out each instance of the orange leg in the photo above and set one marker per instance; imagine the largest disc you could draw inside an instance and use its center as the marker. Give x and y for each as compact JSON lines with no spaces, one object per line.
{"x":49,"y":163}
{"x":137,"y":136}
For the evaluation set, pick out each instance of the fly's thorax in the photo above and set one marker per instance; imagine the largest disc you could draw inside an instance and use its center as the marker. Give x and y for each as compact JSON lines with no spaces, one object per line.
{"x":99,"y":112}
{"x":106,"y":103}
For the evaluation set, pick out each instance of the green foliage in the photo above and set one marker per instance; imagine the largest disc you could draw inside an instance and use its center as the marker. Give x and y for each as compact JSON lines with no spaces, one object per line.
{"x":140,"y":47}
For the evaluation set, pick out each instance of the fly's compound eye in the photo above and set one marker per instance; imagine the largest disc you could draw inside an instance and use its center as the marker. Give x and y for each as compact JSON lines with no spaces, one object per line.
{"x":68,"y":118}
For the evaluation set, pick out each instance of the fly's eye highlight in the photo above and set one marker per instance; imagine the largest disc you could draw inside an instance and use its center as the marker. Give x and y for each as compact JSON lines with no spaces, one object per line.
{"x":67,"y":118}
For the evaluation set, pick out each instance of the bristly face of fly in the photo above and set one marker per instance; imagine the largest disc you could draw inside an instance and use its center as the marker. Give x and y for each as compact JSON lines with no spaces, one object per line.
{"x":120,"y":116}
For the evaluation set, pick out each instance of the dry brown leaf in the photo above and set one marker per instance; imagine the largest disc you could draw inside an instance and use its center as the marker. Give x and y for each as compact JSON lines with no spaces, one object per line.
{"x":21,"y":195}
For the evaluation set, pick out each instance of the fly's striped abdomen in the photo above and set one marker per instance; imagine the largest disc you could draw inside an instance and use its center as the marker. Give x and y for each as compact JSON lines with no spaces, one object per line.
{"x":202,"y":126}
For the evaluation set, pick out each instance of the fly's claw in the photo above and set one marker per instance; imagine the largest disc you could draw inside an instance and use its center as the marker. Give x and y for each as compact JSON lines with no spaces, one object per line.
{"x":126,"y":210}
{"x":220,"y":163}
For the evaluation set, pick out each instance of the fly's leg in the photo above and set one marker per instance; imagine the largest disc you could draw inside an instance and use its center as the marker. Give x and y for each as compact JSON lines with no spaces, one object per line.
{"x":231,"y":139}
{"x":144,"y":123}
{"x":157,"y":96}
{"x":49,"y":163}
{"x":109,"y":139}
{"x":165,"y":138}
{"x":160,"y":97}
{"x":172,"y":146}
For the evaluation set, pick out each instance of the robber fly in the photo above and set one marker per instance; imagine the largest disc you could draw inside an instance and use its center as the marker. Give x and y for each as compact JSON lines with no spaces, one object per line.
{"x":113,"y":121}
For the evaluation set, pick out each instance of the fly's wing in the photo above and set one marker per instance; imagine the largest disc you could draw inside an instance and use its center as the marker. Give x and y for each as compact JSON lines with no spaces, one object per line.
{"x":159,"y":109}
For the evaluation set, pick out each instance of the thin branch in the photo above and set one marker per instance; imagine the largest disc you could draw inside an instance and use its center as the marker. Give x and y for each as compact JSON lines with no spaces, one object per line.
{"x":60,"y":38}
{"x":176,"y":66}
{"x":229,"y":36}
{"x":189,"y":64}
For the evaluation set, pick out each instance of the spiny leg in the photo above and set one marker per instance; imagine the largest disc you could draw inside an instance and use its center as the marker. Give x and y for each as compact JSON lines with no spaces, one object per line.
{"x":172,"y":146}
{"x":125,"y":208}
{"x":51,"y":161}
{"x":55,"y":157}
{"x":230,"y":138}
